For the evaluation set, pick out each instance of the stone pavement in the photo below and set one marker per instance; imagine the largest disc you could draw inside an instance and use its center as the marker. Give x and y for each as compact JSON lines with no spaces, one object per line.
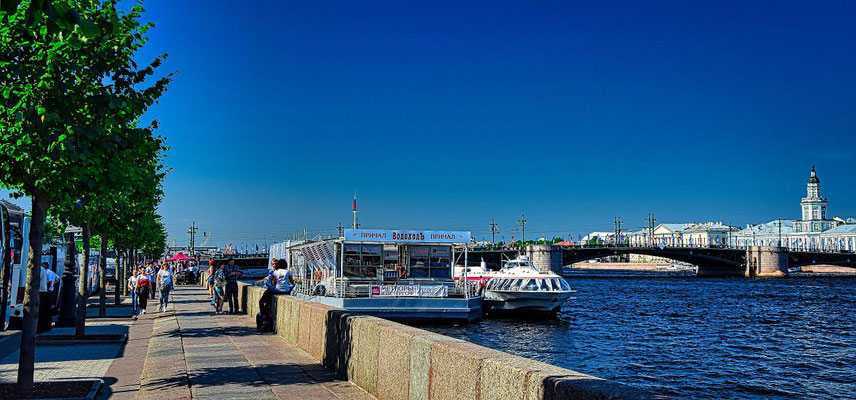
{"x":187,"y":352}
{"x":66,"y":362}
{"x":193,"y":353}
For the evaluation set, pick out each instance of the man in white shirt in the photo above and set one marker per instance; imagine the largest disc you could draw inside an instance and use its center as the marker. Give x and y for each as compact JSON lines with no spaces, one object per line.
{"x":45,"y":284}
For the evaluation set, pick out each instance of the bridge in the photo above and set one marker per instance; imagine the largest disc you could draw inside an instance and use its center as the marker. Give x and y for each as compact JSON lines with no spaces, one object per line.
{"x":711,"y":261}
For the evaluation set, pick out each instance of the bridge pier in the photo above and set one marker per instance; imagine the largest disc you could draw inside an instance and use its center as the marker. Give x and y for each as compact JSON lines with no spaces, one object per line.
{"x":766,"y":261}
{"x":545,"y":257}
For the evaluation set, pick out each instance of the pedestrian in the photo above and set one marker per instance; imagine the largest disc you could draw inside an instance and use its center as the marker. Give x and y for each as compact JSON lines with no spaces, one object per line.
{"x":279,"y":281}
{"x":164,"y":287}
{"x":211,"y":280}
{"x":44,"y":322}
{"x":232,"y":274}
{"x":143,"y":289}
{"x":132,"y":288}
{"x":219,"y":285}
{"x":53,"y":288}
{"x":150,"y":274}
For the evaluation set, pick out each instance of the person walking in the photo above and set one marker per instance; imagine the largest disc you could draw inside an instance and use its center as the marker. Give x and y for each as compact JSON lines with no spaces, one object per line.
{"x":132,"y":288}
{"x":143,"y":289}
{"x":219,"y":287}
{"x":164,"y":287}
{"x":211,"y":281}
{"x":150,"y":274}
{"x":232,"y":274}
{"x":44,"y":322}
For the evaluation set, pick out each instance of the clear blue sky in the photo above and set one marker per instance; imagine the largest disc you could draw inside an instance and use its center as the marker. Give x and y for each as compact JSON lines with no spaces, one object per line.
{"x":448,"y":114}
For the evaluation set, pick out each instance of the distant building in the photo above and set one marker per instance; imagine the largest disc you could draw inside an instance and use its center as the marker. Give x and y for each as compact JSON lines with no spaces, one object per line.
{"x":698,"y":234}
{"x":814,"y":232}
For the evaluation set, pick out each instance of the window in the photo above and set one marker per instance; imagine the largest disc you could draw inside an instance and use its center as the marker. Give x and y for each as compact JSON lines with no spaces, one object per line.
{"x":362,"y":261}
{"x":517,"y":284}
{"x":555,"y":283}
{"x":441,"y":260}
{"x":544,"y":286}
{"x":564,"y":284}
{"x":531,"y":285}
{"x":419,"y":261}
{"x":352,"y":260}
{"x":390,"y":259}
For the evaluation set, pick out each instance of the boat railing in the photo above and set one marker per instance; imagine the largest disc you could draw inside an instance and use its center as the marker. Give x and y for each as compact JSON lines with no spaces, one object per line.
{"x":351,"y":288}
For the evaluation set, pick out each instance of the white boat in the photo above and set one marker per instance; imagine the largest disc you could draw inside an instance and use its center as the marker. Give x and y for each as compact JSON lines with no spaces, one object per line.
{"x":519,"y":286}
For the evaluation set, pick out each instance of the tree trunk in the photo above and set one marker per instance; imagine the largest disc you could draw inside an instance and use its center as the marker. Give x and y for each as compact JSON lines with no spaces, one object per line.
{"x":102,"y":279}
{"x":83,"y":285}
{"x":27,"y":355}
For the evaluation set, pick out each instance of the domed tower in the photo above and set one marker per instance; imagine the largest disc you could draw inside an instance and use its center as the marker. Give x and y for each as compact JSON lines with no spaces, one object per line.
{"x":813,"y":207}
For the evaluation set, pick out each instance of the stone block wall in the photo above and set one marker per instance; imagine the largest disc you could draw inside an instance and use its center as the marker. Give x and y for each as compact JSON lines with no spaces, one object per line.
{"x":394,"y":361}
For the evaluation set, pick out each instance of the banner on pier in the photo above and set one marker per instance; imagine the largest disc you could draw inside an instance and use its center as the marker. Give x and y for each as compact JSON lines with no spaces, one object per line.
{"x":410,"y":291}
{"x":402,"y":236}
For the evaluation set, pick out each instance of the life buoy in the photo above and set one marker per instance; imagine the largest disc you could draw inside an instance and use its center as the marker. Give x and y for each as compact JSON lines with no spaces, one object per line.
{"x":401,"y":270}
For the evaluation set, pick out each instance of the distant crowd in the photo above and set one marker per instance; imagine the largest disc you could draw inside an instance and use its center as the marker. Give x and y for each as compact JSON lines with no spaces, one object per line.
{"x":154,"y":280}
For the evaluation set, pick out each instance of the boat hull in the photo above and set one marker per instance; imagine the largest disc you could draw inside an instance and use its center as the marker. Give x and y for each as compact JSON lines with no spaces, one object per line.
{"x":540,"y":302}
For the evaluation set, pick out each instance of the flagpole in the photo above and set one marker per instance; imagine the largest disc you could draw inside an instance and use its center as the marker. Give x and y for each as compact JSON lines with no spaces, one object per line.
{"x":355,"y":210}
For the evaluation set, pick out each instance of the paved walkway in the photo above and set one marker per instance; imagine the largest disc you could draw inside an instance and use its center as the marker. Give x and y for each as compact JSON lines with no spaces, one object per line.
{"x":188,"y":352}
{"x":58,"y":362}
{"x":193,"y":353}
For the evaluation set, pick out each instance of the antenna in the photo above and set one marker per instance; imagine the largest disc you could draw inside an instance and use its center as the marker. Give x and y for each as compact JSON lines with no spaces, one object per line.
{"x":494,"y":229}
{"x":356,"y":222}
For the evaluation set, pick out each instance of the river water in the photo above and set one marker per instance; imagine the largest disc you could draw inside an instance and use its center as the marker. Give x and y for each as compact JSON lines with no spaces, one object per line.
{"x":693,"y":337}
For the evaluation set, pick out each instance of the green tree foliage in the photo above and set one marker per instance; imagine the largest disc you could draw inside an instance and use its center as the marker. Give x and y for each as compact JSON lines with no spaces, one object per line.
{"x":70,"y":97}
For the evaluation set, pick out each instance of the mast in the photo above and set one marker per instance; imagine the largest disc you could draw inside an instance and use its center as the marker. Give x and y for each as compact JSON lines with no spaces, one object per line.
{"x":356,"y":224}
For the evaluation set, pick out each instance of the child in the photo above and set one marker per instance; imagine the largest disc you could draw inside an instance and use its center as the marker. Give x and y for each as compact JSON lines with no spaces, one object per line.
{"x":219,"y":289}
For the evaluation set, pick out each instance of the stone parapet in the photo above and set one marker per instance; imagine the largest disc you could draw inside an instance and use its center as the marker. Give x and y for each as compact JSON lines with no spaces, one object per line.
{"x":395,"y":361}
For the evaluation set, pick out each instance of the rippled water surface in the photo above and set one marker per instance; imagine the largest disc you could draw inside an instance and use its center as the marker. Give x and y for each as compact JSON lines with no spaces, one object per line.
{"x":697,"y":337}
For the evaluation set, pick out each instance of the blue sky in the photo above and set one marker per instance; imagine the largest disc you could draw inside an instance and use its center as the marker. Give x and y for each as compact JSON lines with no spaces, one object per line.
{"x":444,"y":115}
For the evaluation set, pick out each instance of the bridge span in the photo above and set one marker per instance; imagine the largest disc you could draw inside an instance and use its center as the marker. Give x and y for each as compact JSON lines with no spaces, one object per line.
{"x":711,"y":261}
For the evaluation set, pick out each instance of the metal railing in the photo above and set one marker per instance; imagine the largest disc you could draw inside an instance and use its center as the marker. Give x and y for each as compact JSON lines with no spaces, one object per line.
{"x":351,"y":288}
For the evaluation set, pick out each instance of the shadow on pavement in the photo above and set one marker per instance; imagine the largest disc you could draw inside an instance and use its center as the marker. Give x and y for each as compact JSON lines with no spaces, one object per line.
{"x":213,"y":332}
{"x":266,"y":374}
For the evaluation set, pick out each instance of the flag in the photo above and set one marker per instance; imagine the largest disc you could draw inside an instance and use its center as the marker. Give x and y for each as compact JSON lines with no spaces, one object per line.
{"x":355,"y":201}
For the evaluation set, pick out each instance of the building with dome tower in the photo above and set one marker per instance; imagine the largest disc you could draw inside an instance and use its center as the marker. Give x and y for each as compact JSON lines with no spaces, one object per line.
{"x":815,"y":231}
{"x":813,"y":207}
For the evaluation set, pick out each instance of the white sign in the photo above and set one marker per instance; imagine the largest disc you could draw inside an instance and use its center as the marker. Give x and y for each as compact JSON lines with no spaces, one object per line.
{"x":410,"y":291}
{"x":400,"y":236}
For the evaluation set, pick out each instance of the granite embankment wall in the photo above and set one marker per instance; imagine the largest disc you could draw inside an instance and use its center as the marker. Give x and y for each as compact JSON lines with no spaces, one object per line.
{"x":396,"y":361}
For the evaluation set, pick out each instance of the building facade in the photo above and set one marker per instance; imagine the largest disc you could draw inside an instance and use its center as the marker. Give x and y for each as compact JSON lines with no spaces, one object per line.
{"x":816,"y":231}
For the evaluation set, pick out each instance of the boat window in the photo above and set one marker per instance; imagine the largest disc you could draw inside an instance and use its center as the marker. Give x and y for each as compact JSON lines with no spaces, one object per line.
{"x":517,"y":284}
{"x":564,"y":284}
{"x":506,"y":284}
{"x":441,"y":260}
{"x":390,"y":258}
{"x":544,"y":286}
{"x":419,"y":261}
{"x":555,"y":283}
{"x":531,"y":285}
{"x":362,"y":260}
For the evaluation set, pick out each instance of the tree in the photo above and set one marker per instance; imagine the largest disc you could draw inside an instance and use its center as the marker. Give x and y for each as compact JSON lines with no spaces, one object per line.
{"x":68,"y":82}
